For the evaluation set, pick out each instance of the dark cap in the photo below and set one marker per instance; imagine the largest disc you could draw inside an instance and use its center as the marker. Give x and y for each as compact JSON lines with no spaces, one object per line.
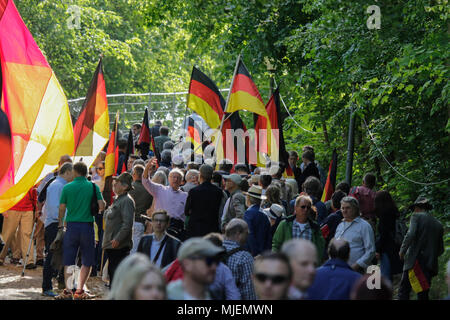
{"x":126,"y":179}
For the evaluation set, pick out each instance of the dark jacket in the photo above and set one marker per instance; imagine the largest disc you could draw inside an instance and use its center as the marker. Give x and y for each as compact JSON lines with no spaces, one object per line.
{"x":424,"y":241}
{"x":202,"y":208}
{"x":260,"y":237}
{"x":310,"y":170}
{"x":385,"y":240}
{"x":119,"y":220}
{"x":170,"y":248}
{"x":333,"y":281}
{"x":328,"y":228}
{"x":142,"y":199}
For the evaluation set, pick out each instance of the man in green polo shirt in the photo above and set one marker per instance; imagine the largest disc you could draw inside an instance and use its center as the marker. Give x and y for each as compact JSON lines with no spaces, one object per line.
{"x":76,"y":198}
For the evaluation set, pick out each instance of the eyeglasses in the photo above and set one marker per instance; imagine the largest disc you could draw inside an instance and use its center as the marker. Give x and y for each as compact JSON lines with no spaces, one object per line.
{"x":208,"y":260}
{"x":304,"y":207}
{"x":275,"y":279}
{"x":100,"y":168}
{"x":159,"y":220}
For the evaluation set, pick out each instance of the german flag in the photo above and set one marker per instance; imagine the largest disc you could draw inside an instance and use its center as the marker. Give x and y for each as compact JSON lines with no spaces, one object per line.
{"x":5,"y":143}
{"x":35,"y":105}
{"x":330,"y":185}
{"x":275,"y":145}
{"x":417,"y":279}
{"x":205,"y":99}
{"x":111,"y":162}
{"x":144,"y":137}
{"x":92,"y":127}
{"x":130,"y":150}
{"x":194,"y":132}
{"x":244,"y":93}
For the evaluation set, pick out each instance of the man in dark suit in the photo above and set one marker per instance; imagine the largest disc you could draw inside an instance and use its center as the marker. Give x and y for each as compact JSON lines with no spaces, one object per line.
{"x":203,"y":205}
{"x":160,"y":247}
{"x":260,"y":236}
{"x":421,"y":248}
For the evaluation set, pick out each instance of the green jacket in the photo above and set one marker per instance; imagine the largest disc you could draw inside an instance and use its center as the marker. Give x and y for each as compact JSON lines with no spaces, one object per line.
{"x":284,"y":233}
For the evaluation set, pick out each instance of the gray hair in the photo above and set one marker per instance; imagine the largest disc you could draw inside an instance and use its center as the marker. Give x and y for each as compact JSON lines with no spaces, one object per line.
{"x":129,"y":274}
{"x":191,"y":173}
{"x":68,"y":166}
{"x":161,"y":176}
{"x":353,"y":203}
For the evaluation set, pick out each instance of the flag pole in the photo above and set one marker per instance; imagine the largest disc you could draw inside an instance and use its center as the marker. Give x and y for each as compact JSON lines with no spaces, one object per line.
{"x":228,"y":99}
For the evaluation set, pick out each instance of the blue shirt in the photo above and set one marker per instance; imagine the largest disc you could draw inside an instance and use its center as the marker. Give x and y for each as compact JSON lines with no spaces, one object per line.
{"x":359,"y":235}
{"x":51,"y":206}
{"x":334,"y":281}
{"x":224,"y":286}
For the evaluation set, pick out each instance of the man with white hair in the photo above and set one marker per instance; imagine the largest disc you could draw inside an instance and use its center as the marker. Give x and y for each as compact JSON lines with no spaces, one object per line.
{"x":358,"y":233}
{"x":169,"y":198}
{"x":192,"y":177}
{"x":303,"y":258}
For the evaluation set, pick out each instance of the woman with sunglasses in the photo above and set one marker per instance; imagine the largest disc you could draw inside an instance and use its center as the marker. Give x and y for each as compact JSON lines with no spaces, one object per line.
{"x":299,"y":226}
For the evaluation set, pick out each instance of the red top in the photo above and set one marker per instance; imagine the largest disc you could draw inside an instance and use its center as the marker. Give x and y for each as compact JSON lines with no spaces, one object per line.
{"x":174,"y":272}
{"x":28,"y":202}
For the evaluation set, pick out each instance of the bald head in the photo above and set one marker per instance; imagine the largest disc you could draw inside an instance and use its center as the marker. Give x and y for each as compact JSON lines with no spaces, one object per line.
{"x":65,"y":158}
{"x":303,"y":258}
{"x":298,"y":247}
{"x":339,"y":249}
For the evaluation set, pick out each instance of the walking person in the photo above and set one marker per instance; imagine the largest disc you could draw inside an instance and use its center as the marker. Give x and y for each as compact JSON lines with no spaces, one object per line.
{"x":160,"y":247}
{"x":142,"y":200}
{"x":386,"y":248}
{"x":51,"y":207}
{"x":119,"y":218}
{"x":359,"y":234}
{"x":203,"y":205}
{"x":420,"y":250}
{"x":169,"y":198}
{"x":79,"y":222}
{"x":20,"y":216}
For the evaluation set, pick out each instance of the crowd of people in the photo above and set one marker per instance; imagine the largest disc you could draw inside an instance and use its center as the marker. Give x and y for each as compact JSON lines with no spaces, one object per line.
{"x":179,"y":229}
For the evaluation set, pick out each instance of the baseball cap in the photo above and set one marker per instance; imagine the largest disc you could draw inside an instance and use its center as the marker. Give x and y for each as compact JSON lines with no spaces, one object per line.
{"x":233,"y":177}
{"x":195,"y":247}
{"x":125,"y":178}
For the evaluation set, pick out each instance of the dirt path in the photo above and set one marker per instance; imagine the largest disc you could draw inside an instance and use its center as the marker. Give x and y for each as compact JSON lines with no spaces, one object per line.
{"x":29,"y":287}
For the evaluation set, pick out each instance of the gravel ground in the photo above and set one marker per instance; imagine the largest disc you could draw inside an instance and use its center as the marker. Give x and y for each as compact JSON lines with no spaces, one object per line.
{"x":29,"y":287}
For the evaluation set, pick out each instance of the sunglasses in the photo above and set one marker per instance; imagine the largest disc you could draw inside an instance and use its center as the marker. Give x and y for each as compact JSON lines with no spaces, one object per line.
{"x":100,"y":168}
{"x":304,"y":207}
{"x":275,"y":279}
{"x":208,"y":260}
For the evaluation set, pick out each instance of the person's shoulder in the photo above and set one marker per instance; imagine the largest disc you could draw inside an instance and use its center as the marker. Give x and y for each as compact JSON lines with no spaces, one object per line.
{"x":172,"y":238}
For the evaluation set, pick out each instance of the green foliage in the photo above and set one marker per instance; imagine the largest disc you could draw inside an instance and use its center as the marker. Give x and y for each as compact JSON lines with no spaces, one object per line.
{"x":324,"y":56}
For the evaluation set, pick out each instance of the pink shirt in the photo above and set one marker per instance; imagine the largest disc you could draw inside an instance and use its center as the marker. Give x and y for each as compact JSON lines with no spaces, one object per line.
{"x":167,"y":199}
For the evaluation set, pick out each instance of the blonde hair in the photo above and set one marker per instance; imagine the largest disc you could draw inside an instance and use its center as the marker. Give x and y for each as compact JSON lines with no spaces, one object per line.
{"x":129,"y":275}
{"x":301,"y":197}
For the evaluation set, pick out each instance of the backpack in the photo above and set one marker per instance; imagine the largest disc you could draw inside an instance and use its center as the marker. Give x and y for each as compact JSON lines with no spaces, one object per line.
{"x":366,"y":201}
{"x":224,"y":257}
{"x":43,"y":194}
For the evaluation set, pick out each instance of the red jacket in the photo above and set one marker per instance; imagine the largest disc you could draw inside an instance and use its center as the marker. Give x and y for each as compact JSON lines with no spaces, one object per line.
{"x":28,"y":202}
{"x":174,"y":272}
